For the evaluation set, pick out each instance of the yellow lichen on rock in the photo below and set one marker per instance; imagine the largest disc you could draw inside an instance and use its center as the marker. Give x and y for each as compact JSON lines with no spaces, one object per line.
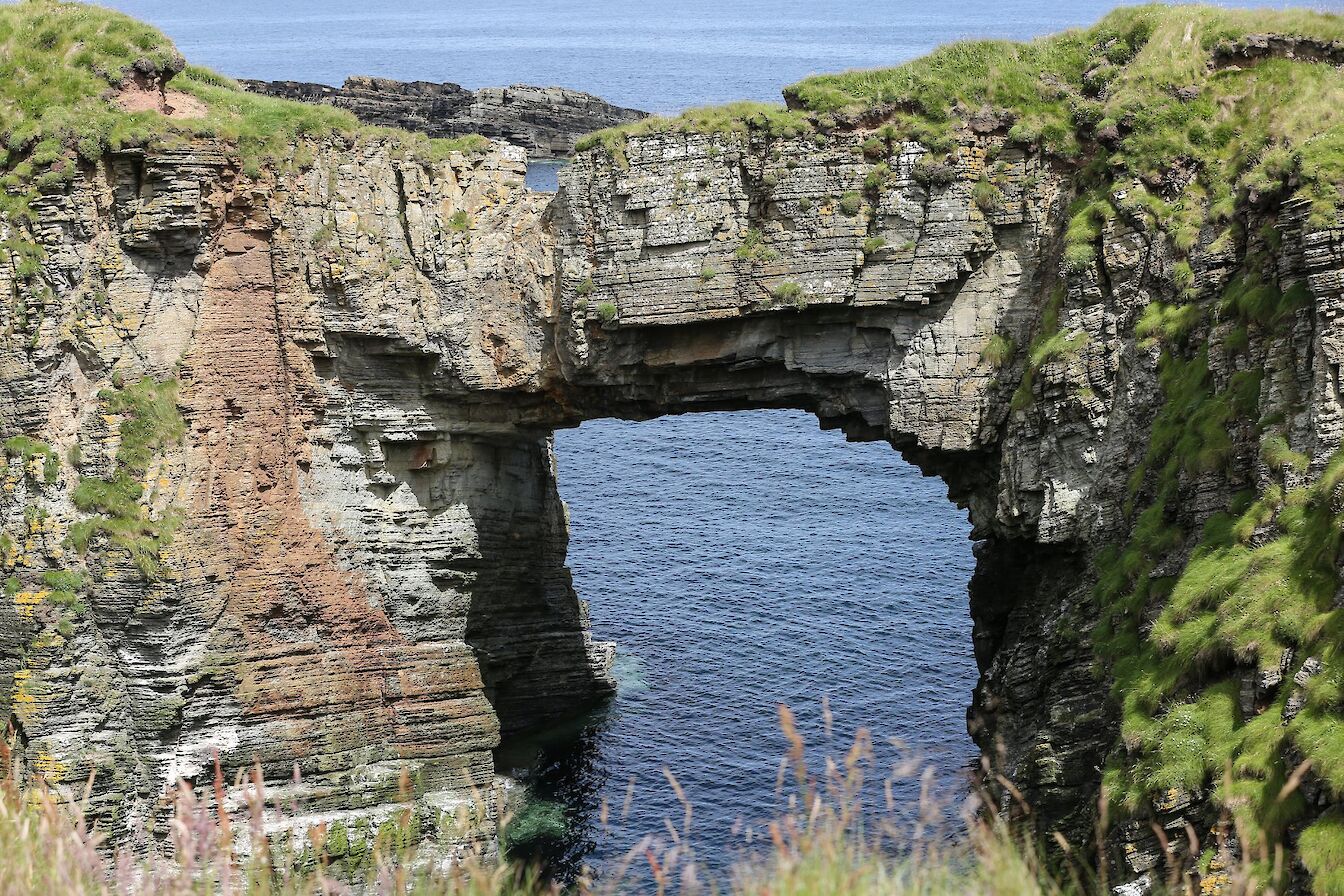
{"x":1217,"y":881}
{"x":25,"y":704}
{"x":50,"y":767}
{"x":26,"y":602}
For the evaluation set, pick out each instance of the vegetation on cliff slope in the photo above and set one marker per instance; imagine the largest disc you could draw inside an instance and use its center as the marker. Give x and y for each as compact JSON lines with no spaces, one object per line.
{"x":1169,"y":113}
{"x":1203,"y":655}
{"x":150,"y":423}
{"x":1148,"y":93}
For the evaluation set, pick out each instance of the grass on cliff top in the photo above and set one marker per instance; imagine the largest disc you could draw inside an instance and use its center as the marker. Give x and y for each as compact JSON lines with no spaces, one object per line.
{"x":62,"y":65}
{"x":1135,"y":96}
{"x":1108,"y":57}
{"x":1140,"y":93}
{"x":734,"y":118}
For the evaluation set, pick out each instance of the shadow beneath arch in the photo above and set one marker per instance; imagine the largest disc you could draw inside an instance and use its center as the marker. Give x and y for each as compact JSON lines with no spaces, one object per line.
{"x":525,"y":622}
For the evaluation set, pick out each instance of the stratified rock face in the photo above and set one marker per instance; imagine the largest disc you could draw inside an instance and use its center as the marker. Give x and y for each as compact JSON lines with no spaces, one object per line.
{"x":934,"y":310}
{"x":365,"y":577}
{"x":366,"y":572}
{"x":543,"y":120}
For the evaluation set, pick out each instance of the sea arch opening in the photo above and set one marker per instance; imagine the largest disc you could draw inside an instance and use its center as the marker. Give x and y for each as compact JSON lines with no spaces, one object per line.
{"x":739,"y":560}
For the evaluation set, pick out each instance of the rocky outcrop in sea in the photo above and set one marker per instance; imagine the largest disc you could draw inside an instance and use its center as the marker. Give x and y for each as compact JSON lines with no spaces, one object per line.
{"x":543,"y":120}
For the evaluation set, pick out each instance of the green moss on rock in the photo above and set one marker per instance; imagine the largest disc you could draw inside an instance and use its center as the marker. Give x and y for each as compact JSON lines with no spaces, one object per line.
{"x":150,"y":423}
{"x":1252,"y":600}
{"x":25,"y":449}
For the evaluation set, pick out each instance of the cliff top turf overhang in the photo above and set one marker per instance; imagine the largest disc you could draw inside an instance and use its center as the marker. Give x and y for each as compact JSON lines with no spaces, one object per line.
{"x":78,"y":80}
{"x":1176,"y":111}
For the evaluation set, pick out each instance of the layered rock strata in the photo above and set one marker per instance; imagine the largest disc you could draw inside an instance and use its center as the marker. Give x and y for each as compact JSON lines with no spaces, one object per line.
{"x":352,"y":559}
{"x":546,"y":121}
{"x":1102,"y":423}
{"x":365,"y":577}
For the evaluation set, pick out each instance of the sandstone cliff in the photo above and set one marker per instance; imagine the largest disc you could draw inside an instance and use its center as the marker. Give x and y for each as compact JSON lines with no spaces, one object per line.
{"x":279,"y":476}
{"x":546,"y":121}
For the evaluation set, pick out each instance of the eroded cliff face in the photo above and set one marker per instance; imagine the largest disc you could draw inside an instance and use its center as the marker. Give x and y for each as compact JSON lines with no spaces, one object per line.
{"x":349,"y":556}
{"x":766,"y":273}
{"x":365,"y":576}
{"x":1104,"y":423}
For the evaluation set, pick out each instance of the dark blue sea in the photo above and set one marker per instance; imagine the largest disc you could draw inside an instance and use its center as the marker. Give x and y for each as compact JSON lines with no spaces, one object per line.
{"x":739,"y":560}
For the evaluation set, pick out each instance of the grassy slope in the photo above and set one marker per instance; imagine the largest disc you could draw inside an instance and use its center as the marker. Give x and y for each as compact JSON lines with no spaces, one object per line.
{"x":1103,"y":99}
{"x":61,"y":63}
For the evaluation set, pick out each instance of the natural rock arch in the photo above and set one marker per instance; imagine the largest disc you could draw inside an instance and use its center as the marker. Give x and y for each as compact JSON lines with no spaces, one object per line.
{"x":277,"y":478}
{"x":895,"y":334}
{"x":369,"y":572}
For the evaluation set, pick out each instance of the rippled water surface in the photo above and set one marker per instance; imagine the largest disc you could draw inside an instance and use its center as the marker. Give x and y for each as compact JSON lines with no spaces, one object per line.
{"x":739,"y":560}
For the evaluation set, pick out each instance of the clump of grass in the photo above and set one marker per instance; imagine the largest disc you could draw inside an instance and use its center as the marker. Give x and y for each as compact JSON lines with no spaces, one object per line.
{"x":874,"y":148}
{"x":987,"y":197}
{"x":1277,"y":455}
{"x":606,"y":311}
{"x":998,"y":351}
{"x":323,"y":237}
{"x":585,"y":287}
{"x":873,"y":244}
{"x":1161,"y":322}
{"x":1078,"y":257}
{"x":1321,"y":847}
{"x":754,"y":249}
{"x":1256,"y":299}
{"x":25,"y":450}
{"x":150,"y":423}
{"x":877,"y":177}
{"x":933,"y":174}
{"x":1050,"y":344}
{"x":790,"y":292}
{"x":850,"y":203}
{"x":972,"y":74}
